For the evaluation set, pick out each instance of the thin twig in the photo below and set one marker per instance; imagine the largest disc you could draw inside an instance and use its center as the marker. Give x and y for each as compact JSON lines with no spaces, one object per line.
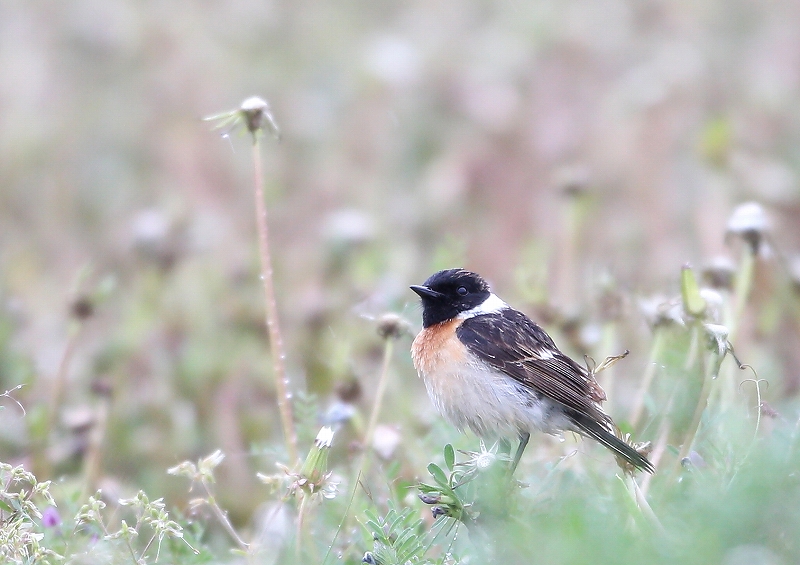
{"x":7,"y":394}
{"x":757,"y":382}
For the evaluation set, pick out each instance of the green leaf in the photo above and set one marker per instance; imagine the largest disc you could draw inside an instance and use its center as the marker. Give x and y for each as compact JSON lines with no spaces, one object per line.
{"x":449,"y":456}
{"x":406,"y":544}
{"x":371,"y":515}
{"x":396,"y":523}
{"x":438,"y":475}
{"x":404,"y":536}
{"x":374,"y":528}
{"x":693,"y":303}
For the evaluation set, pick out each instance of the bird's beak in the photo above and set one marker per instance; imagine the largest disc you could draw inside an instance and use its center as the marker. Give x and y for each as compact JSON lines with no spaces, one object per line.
{"x":425,"y":292}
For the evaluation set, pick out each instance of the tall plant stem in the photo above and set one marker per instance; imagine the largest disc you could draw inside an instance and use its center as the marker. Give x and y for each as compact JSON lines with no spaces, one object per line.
{"x":223,"y":517}
{"x":41,"y":460}
{"x":702,"y":404}
{"x":273,"y":327}
{"x":57,"y":394}
{"x":743,"y":285}
{"x":93,"y":460}
{"x":660,"y":446}
{"x":647,"y":377}
{"x":301,"y":515}
{"x":384,"y":379}
{"x":363,"y":462}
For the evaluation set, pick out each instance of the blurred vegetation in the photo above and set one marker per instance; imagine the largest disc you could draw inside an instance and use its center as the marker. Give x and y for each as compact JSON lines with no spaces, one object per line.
{"x":577,"y":154}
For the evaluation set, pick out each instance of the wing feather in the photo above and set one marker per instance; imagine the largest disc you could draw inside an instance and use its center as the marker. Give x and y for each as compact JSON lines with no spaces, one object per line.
{"x":512,"y":343}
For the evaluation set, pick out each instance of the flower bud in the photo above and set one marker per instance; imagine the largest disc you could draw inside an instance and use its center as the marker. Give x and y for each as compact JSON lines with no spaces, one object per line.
{"x":316,"y":464}
{"x":258,"y":116}
{"x":749,"y":221}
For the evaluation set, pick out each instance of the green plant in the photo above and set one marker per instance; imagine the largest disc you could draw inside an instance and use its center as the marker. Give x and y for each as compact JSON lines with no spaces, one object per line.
{"x":21,"y":533}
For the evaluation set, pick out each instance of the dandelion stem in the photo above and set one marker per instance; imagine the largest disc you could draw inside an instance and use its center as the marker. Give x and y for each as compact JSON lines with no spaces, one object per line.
{"x":609,"y":343}
{"x":647,"y":377}
{"x":694,"y":348}
{"x":659,"y":448}
{"x":57,"y":395}
{"x":382,"y":382}
{"x":344,"y":520}
{"x":275,"y":338}
{"x":94,"y":453}
{"x":743,"y":284}
{"x":640,"y":498}
{"x":363,"y":464}
{"x":301,"y":514}
{"x":223,"y":518}
{"x":702,"y":403}
{"x":61,"y":377}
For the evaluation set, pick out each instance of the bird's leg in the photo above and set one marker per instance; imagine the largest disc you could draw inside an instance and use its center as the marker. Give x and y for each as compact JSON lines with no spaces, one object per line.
{"x":505,"y":446}
{"x":523,"y":441}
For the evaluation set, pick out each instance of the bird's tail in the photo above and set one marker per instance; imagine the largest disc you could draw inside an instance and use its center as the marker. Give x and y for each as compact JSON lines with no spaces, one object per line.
{"x":596,"y":430}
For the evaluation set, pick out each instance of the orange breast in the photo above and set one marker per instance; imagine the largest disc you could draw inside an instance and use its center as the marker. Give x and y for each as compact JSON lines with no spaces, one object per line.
{"x":437,"y":348}
{"x":465,"y":391}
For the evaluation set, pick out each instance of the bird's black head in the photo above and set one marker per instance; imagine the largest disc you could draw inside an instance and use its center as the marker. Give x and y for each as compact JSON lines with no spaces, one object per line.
{"x":448,"y":293}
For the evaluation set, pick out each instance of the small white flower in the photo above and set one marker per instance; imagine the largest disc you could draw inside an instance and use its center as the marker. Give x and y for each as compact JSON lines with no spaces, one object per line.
{"x":485,"y":458}
{"x":324,"y":437}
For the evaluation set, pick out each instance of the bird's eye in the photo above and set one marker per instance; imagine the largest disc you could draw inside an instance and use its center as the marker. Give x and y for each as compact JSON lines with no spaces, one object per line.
{"x":462,"y":291}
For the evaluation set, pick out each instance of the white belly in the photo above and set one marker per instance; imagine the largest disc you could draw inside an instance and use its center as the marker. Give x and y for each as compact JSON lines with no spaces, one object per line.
{"x":491,"y":404}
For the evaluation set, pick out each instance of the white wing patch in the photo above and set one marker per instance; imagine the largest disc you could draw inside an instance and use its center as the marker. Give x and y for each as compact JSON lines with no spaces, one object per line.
{"x":491,"y":305}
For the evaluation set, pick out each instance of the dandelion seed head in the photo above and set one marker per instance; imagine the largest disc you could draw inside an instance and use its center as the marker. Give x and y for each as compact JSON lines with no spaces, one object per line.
{"x":485,"y":460}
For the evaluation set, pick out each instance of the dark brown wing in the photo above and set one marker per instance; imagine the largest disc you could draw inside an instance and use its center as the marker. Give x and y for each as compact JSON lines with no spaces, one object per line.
{"x":512,"y":343}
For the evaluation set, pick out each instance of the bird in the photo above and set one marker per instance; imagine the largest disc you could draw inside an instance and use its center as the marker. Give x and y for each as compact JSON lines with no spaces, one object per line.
{"x":491,"y":369}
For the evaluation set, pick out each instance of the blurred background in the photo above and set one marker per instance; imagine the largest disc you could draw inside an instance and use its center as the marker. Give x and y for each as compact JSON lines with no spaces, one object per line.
{"x":576,"y":153}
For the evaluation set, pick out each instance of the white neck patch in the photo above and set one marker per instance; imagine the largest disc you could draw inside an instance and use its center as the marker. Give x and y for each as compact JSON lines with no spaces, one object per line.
{"x":491,"y":305}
